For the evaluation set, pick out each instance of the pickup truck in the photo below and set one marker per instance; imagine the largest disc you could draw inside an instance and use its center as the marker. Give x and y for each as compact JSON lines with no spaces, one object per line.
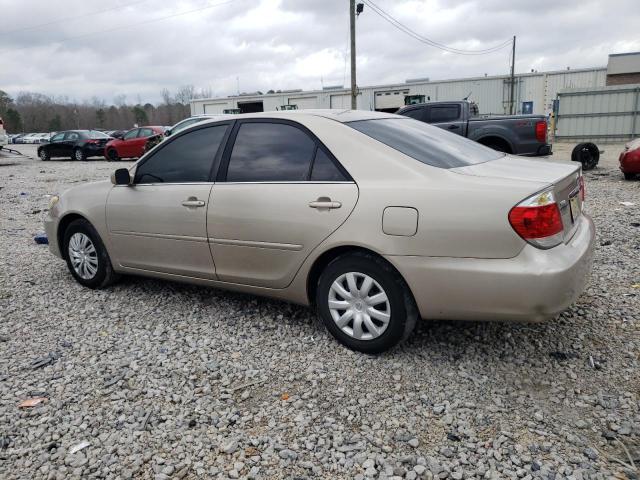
{"x":4,"y":138}
{"x":516,"y":134}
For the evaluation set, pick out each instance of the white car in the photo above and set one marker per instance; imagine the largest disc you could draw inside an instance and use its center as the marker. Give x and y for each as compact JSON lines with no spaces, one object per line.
{"x":4,"y":138}
{"x":187,"y":122}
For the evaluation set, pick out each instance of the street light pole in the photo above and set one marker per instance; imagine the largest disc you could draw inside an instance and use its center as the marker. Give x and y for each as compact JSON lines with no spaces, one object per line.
{"x":513,"y":78}
{"x":352,"y":25}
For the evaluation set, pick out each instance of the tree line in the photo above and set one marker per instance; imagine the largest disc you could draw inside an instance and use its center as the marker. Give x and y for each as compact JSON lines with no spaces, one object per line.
{"x":36,"y":112}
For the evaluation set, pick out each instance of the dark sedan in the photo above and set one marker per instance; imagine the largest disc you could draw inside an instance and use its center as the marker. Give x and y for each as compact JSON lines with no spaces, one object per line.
{"x":75,"y":144}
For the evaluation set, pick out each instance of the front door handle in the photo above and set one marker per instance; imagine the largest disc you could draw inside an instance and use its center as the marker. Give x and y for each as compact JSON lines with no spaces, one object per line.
{"x":453,"y":127}
{"x":324,"y":202}
{"x":193,"y":202}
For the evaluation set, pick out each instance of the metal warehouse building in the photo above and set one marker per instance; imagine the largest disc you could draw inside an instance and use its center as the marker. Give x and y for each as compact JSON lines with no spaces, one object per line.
{"x":534,"y":93}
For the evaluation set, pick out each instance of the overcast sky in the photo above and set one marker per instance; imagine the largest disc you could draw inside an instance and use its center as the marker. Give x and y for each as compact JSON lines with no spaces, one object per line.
{"x":106,"y":48}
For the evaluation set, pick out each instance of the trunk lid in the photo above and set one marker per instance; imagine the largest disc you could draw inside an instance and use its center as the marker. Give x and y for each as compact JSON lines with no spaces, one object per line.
{"x":564,"y":177}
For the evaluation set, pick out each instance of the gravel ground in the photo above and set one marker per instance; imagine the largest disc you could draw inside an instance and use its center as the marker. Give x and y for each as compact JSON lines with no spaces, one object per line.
{"x":152,"y":379}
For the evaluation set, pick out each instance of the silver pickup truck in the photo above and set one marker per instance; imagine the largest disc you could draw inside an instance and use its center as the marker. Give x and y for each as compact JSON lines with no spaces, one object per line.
{"x":517,"y":134}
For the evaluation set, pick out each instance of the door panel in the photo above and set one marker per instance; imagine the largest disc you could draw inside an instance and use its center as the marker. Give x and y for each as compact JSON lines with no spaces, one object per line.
{"x":447,"y":117}
{"x":260,"y":233}
{"x":151,"y":229}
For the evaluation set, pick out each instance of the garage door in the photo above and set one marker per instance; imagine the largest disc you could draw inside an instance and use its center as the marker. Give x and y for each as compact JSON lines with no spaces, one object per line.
{"x":340,"y":101}
{"x":304,"y":102}
{"x":215,"y":108}
{"x":390,"y":99}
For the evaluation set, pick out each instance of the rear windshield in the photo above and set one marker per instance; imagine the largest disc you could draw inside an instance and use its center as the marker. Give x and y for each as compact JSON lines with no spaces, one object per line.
{"x":426,"y":143}
{"x":95,"y":134}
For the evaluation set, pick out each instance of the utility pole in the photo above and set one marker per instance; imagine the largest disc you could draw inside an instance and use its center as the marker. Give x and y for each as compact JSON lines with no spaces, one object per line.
{"x":513,"y":78}
{"x":352,"y":25}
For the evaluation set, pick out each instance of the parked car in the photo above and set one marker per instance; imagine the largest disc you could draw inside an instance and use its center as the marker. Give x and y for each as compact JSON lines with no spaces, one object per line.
{"x":116,"y":133}
{"x":516,"y":134}
{"x":75,"y":144}
{"x":630,"y":159}
{"x":132,"y":144}
{"x":29,"y":138}
{"x":187,"y":122}
{"x":4,"y":138}
{"x":373,"y":218}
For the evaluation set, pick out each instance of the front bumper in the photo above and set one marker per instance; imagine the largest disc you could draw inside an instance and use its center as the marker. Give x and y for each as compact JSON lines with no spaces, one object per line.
{"x":533,"y":286}
{"x":51,"y":229}
{"x":630,"y":161}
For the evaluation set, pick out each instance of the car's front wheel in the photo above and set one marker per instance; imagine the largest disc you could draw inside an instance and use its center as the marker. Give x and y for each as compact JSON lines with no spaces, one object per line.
{"x":86,"y":256}
{"x":43,"y":153}
{"x":629,"y":176}
{"x":365,"y":303}
{"x":112,"y":155}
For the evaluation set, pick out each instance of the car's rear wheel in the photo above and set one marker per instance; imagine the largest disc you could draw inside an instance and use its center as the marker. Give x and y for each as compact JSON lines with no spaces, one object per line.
{"x":365,"y":303}
{"x":79,"y":155}
{"x":587,"y":154}
{"x":86,"y":256}
{"x":112,"y":155}
{"x":43,"y":153}
{"x":629,"y":176}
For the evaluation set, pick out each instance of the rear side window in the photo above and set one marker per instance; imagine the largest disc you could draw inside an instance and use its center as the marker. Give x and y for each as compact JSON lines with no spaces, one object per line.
{"x":426,"y":143}
{"x":270,"y":152}
{"x":444,"y":113}
{"x":324,"y":170}
{"x":72,"y":136}
{"x":185,"y":159}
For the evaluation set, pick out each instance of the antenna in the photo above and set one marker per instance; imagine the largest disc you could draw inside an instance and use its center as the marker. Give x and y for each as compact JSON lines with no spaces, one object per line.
{"x":468,"y":95}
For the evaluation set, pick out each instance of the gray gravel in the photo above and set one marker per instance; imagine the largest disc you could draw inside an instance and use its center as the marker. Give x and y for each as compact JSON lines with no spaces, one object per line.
{"x":160,"y":380}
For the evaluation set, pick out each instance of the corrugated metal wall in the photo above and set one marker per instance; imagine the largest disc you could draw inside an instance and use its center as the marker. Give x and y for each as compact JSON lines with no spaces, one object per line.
{"x":491,"y":93}
{"x":607,"y":114}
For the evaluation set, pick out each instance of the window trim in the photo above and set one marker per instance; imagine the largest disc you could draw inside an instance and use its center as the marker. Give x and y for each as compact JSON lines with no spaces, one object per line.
{"x":221,"y":176}
{"x":214,"y":164}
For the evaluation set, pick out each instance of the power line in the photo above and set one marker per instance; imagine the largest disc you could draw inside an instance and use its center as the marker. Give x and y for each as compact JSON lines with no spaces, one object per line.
{"x":84,"y":15}
{"x":400,"y":26}
{"x":153,"y":20}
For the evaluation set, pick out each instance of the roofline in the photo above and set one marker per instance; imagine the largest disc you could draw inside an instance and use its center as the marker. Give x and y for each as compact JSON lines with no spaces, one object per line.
{"x":387,"y":86}
{"x":623,"y":54}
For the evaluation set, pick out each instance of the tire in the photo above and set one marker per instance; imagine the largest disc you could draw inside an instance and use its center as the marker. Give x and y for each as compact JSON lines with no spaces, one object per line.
{"x":629,"y":176}
{"x":399,"y":307}
{"x":43,"y":153}
{"x":79,"y":155}
{"x":112,"y":155}
{"x":587,"y":154}
{"x":74,"y":245}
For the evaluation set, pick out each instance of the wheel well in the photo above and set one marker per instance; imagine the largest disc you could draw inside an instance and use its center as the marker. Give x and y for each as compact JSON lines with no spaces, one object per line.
{"x":327,"y":257}
{"x":62,"y":227}
{"x":497,"y":141}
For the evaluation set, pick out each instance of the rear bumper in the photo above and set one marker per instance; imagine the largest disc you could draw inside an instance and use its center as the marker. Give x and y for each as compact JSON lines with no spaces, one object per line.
{"x":533,"y":286}
{"x":542,"y":150}
{"x":630,"y":161}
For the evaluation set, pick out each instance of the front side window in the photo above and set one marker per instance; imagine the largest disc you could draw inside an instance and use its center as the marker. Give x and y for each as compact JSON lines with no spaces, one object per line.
{"x":130,"y":134}
{"x":426,"y":143}
{"x":444,"y":113}
{"x":184,"y":159}
{"x":270,"y":152}
{"x":58,"y":137}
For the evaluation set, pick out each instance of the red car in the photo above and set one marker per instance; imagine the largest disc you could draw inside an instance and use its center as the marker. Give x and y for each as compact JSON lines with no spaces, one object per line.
{"x":132,"y":144}
{"x":630,"y":159}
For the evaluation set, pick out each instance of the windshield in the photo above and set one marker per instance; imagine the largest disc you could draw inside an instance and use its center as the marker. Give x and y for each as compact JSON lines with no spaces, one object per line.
{"x":95,"y":134}
{"x":426,"y":143}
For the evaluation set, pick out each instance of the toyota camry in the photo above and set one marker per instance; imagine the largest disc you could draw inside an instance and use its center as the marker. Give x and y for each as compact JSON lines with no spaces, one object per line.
{"x":375,"y":220}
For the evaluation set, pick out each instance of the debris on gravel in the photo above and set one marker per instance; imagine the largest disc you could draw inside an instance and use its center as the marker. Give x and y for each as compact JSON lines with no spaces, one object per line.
{"x":162,"y":380}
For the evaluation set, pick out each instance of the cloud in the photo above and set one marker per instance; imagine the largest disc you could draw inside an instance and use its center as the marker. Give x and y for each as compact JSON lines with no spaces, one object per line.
{"x":131,"y":48}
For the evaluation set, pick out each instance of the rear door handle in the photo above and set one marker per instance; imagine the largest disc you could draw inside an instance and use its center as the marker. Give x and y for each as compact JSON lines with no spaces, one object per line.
{"x":193,"y":202}
{"x":328,"y":204}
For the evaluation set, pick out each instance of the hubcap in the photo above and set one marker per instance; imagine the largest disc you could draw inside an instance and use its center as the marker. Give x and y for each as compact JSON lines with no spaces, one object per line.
{"x":43,"y":154}
{"x":83,"y":255}
{"x":359,"y":306}
{"x":78,"y":154}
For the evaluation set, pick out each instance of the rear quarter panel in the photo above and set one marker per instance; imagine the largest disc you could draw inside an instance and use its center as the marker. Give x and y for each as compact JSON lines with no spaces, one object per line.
{"x":519,"y":133}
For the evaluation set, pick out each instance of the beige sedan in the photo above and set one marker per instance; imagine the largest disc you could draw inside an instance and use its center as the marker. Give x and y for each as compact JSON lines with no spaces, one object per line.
{"x":374,"y":219}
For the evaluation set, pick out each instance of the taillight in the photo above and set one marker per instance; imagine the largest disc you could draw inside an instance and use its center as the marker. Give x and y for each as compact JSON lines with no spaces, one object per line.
{"x":541,"y":131}
{"x":92,"y":142}
{"x":537,"y":220}
{"x":583,"y":190}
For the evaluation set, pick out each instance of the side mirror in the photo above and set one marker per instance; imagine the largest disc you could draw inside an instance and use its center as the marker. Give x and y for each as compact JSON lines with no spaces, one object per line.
{"x":121,"y":177}
{"x":167,"y":133}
